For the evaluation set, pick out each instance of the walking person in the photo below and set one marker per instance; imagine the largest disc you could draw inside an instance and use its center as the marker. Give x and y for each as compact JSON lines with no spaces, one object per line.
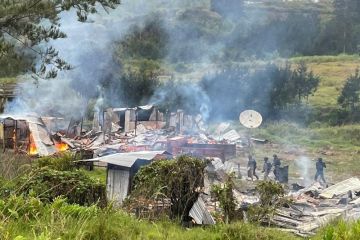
{"x":266,"y":168}
{"x":320,"y":165}
{"x":252,"y":168}
{"x":276,"y":164}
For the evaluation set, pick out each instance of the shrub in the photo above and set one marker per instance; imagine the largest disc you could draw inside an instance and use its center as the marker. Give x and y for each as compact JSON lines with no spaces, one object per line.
{"x":178,"y":181}
{"x":77,"y":187}
{"x":272,"y":196}
{"x":62,"y":162}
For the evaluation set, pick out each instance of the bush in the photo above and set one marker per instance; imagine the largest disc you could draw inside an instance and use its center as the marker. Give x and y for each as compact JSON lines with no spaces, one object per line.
{"x":272,"y":196}
{"x":62,"y":162}
{"x":177,"y":180}
{"x":77,"y":187}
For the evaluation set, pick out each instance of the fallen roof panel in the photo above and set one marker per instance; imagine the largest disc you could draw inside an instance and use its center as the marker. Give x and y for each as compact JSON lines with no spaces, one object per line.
{"x":341,"y":188}
{"x":200,"y":214}
{"x":128,"y":159}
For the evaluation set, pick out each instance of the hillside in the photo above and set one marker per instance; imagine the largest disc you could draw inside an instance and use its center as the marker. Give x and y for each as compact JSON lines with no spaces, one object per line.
{"x":333,"y":71}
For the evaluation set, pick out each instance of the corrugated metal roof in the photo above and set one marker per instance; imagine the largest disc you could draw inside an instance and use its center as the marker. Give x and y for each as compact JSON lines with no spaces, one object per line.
{"x":341,"y":188}
{"x":146,"y":107}
{"x":31,"y":119}
{"x":40,"y":134}
{"x":42,"y":140}
{"x":122,"y":109}
{"x":200,"y":214}
{"x":128,"y":159}
{"x":232,"y":135}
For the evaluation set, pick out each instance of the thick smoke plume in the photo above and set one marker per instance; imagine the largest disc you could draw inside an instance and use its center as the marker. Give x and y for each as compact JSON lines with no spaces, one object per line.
{"x":89,"y":47}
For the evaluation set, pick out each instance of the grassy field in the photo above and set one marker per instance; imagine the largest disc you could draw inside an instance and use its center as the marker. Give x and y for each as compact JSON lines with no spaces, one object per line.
{"x":339,"y":146}
{"x":333,"y":71}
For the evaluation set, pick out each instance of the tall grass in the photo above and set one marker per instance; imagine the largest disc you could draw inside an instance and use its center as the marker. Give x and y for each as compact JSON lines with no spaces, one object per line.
{"x":22,"y":218}
{"x":340,"y":230}
{"x":13,"y":165}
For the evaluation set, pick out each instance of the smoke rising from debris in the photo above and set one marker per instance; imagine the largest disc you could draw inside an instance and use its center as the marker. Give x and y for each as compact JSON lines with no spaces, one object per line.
{"x":89,"y":48}
{"x":304,"y":165}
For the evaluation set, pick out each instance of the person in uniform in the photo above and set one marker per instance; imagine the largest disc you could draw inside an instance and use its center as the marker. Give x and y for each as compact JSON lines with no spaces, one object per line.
{"x":276,"y":164}
{"x":266,"y":168}
{"x":252,"y":168}
{"x":320,"y":165}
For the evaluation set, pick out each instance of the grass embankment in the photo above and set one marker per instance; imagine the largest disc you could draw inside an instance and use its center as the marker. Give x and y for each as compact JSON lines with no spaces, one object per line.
{"x":63,"y":221}
{"x":42,"y":213}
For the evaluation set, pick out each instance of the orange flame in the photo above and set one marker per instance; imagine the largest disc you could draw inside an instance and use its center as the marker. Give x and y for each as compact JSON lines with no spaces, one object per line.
{"x":32,"y":147}
{"x":61,"y":147}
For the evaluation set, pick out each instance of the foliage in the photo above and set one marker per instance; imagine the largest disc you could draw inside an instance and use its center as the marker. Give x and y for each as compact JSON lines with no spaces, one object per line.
{"x":48,"y":184}
{"x":61,"y":162}
{"x":22,"y":27}
{"x":224,"y":194}
{"x":179,"y":181}
{"x":346,"y":20}
{"x":237,"y":88}
{"x":272,"y":196}
{"x":306,"y":82}
{"x":29,"y":218}
{"x":147,"y":42}
{"x":13,"y":165}
{"x":135,"y":86}
{"x":340,"y":230}
{"x":349,"y":98}
{"x":188,"y":96}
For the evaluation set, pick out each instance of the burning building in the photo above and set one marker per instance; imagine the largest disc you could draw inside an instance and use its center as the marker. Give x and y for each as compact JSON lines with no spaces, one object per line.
{"x":28,"y":134}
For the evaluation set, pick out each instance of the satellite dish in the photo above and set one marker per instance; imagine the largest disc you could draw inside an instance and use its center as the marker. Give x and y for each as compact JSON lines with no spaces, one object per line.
{"x":250,"y":119}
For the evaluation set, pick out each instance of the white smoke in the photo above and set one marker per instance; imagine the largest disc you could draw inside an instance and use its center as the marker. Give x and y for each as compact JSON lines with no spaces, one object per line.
{"x":303,"y":165}
{"x":89,"y":48}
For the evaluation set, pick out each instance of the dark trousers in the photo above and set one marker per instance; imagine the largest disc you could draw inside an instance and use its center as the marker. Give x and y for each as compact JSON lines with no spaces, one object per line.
{"x":321,"y":175}
{"x":277,"y":173}
{"x":251,"y":173}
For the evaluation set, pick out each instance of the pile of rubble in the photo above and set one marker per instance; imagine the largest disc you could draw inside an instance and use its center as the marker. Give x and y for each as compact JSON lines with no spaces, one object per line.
{"x":316,"y":206}
{"x":180,"y":134}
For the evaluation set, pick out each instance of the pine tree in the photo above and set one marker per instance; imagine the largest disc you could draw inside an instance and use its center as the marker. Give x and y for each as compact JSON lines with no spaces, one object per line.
{"x":347,"y":16}
{"x":349,"y":98}
{"x":21,"y":28}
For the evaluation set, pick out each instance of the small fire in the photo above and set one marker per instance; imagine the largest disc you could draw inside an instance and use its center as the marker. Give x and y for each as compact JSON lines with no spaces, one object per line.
{"x":61,"y":147}
{"x":32,"y":147}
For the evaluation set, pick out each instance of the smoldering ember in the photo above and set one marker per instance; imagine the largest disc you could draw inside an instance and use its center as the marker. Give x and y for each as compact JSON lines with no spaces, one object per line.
{"x":213,"y":119}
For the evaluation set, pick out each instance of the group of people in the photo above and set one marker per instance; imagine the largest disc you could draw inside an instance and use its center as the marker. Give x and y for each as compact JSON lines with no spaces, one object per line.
{"x":267,"y":166}
{"x":276,"y":163}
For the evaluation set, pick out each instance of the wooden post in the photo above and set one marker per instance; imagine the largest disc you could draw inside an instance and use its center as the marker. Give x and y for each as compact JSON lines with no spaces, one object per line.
{"x":15,"y":136}
{"x":67,"y":132}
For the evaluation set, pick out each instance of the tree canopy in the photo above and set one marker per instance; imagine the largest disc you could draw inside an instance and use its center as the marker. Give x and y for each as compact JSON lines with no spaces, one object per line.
{"x":26,"y":24}
{"x":349,"y":98}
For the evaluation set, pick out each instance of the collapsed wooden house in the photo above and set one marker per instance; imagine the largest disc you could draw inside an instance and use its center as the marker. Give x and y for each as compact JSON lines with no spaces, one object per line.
{"x":27,"y":134}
